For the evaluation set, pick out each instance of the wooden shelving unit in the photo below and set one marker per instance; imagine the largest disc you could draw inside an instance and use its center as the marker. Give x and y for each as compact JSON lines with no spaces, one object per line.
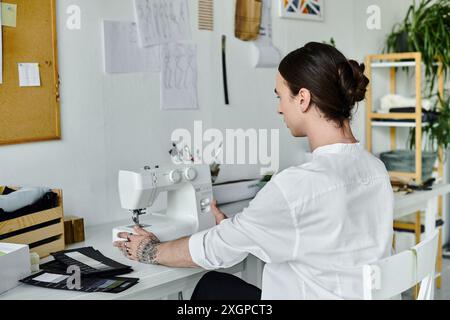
{"x":393,"y":62}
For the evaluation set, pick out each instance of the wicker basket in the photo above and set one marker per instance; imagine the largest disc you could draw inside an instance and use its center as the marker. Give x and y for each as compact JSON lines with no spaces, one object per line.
{"x":405,"y":161}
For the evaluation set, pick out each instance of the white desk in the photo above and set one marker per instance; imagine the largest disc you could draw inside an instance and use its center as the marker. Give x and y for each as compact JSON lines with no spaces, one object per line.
{"x":158,"y":282}
{"x":155,"y":282}
{"x":406,"y":204}
{"x":421,"y":201}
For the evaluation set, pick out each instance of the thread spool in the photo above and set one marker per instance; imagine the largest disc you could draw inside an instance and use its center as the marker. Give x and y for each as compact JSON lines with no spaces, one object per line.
{"x":34,"y":260}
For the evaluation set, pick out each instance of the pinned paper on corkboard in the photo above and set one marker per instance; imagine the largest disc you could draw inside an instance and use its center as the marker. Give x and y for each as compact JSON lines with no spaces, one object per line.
{"x":29,"y":75}
{"x":9,"y":14}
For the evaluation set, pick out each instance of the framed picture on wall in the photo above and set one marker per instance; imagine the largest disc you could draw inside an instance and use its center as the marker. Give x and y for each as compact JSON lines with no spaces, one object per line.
{"x":302,"y":9}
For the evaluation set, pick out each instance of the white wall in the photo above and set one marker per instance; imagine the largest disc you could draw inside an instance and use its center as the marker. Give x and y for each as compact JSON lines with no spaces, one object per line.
{"x":111,"y":122}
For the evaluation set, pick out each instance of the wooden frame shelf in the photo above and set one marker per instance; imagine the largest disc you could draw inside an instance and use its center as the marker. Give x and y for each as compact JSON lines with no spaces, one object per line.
{"x":394,"y":124}
{"x":402,"y":174}
{"x":394,"y":116}
{"x":398,"y":64}
{"x":394,"y":61}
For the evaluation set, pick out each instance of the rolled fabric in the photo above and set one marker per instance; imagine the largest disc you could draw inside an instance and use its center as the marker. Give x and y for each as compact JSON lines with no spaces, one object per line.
{"x":21,"y":198}
{"x":398,"y":101}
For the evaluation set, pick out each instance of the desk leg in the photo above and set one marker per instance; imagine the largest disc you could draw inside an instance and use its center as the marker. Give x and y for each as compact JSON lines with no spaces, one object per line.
{"x":430,"y":217}
{"x":430,"y":225}
{"x":253,"y":271}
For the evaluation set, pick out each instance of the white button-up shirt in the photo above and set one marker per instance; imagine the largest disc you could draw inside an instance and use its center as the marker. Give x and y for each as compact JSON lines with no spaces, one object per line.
{"x":314,"y":226}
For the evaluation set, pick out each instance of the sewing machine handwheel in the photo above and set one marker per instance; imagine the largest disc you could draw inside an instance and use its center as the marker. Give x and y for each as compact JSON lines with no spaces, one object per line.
{"x":175,"y":176}
{"x":190,"y":174}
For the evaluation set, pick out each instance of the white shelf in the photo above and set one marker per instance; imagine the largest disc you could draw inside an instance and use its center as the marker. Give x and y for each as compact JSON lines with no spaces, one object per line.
{"x":395,"y":124}
{"x":393,"y":64}
{"x":398,"y":64}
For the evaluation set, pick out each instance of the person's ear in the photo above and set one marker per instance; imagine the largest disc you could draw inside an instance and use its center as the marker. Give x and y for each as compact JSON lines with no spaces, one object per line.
{"x":304,"y":99}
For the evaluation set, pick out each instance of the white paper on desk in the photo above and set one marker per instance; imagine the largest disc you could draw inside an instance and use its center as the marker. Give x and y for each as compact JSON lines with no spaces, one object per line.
{"x":50,"y":278}
{"x":29,"y":75}
{"x":179,"y":76}
{"x":264,"y":53}
{"x":122,"y":51}
{"x":86,"y":260}
{"x":162,"y":21}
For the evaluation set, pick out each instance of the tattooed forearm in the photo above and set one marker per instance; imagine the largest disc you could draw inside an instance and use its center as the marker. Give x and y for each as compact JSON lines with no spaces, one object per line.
{"x":148,"y":250}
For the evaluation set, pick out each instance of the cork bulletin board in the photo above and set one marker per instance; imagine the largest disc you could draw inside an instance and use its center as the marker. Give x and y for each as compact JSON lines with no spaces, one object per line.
{"x":29,"y":114}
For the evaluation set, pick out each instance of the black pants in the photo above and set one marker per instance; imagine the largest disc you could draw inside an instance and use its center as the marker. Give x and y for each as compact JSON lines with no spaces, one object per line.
{"x":223,"y":286}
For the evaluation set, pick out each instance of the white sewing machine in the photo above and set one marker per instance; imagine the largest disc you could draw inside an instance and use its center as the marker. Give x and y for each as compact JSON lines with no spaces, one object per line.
{"x":189,"y":196}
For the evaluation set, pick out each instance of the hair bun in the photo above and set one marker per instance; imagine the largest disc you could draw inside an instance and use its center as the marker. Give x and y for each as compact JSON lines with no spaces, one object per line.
{"x":353,"y":81}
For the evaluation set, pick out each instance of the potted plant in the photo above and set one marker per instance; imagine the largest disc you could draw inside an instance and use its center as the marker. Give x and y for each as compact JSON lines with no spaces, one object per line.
{"x":436,"y":134}
{"x":332,"y":42}
{"x":425,"y":29}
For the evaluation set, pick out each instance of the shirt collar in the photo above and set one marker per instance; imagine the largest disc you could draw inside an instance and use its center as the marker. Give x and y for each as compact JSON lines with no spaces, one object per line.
{"x":337,"y":148}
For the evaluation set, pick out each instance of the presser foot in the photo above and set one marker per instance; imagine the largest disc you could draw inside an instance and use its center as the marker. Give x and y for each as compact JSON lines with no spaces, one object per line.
{"x":135,"y":216}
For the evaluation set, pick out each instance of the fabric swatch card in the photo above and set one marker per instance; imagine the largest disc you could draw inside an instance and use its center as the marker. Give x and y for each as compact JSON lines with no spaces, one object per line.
{"x":9,"y":14}
{"x":88,"y":284}
{"x":29,"y":75}
{"x":91,"y":262}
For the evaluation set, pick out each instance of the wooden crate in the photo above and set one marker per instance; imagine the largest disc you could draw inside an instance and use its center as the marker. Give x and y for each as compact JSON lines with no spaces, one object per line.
{"x":43,"y":231}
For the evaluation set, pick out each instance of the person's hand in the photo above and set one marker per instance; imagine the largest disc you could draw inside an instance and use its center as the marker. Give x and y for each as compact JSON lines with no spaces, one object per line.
{"x":136,"y":243}
{"x":219,"y":215}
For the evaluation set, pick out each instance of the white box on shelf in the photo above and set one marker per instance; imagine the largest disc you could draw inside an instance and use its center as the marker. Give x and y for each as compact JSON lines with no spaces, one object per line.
{"x":14,"y":265}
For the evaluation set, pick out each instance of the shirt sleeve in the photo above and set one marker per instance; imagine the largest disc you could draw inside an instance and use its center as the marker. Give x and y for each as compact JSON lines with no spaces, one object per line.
{"x":265,"y":229}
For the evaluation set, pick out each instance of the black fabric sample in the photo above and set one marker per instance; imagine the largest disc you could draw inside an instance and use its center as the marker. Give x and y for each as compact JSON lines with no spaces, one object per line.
{"x":48,"y":201}
{"x":88,"y":284}
{"x":62,"y":262}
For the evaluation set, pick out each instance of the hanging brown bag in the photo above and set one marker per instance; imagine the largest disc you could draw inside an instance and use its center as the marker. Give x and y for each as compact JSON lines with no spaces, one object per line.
{"x":248,"y":19}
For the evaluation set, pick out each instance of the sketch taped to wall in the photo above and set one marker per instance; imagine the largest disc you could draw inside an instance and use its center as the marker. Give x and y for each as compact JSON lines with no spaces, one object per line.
{"x":162,"y":21}
{"x":122,"y":51}
{"x":179,"y":76}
